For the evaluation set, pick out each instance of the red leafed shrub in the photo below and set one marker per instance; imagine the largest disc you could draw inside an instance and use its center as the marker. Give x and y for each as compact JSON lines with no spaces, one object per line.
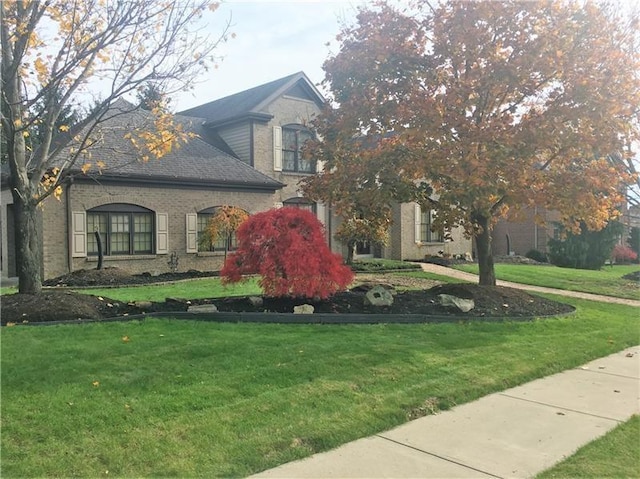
{"x":623,"y":254}
{"x":286,"y":247}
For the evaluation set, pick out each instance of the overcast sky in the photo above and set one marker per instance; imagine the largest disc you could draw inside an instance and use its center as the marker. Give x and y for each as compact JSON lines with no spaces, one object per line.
{"x":273,"y":39}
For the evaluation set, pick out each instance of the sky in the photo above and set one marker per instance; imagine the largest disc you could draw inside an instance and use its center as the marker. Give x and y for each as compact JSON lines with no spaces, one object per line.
{"x":273,"y":39}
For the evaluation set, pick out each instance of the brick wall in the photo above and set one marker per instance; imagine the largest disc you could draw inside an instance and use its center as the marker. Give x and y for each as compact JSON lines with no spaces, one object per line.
{"x":173,"y":201}
{"x":285,"y":111}
{"x":408,"y":249}
{"x":523,"y":232}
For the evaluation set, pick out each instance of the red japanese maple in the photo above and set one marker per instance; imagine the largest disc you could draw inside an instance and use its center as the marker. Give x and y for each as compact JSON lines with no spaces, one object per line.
{"x":286,"y":247}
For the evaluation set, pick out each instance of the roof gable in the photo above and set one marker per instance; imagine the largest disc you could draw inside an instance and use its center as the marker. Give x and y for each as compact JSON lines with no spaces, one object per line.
{"x":253,"y":102}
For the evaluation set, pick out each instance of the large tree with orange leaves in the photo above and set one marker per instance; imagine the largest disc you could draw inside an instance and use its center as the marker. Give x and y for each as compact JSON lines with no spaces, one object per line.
{"x":475,"y":108}
{"x":59,"y":53}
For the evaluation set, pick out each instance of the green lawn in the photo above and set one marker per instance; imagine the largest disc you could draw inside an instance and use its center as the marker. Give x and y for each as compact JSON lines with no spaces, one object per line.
{"x":187,"y":398}
{"x":189,"y":289}
{"x":616,"y":454}
{"x":211,"y":288}
{"x":607,"y":281}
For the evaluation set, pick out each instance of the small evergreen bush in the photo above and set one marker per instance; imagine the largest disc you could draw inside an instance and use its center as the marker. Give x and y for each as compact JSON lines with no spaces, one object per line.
{"x":537,"y":255}
{"x":587,"y":250}
{"x":634,"y":240}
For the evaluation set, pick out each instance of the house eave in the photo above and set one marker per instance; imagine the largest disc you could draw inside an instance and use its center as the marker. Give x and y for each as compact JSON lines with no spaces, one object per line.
{"x":261,"y":117}
{"x":181,"y":183}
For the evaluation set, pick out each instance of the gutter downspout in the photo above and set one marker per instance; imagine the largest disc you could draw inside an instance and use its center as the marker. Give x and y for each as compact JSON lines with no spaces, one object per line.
{"x":67,"y":197}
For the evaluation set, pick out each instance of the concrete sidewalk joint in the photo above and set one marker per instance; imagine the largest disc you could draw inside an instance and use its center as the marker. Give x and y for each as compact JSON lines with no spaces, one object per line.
{"x":515,"y":433}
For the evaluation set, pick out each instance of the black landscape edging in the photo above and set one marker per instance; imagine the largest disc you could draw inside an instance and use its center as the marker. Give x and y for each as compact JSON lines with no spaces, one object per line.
{"x":315,"y":318}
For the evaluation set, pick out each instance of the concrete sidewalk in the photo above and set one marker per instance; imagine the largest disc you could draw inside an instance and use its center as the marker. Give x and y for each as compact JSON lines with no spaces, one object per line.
{"x":515,"y":433}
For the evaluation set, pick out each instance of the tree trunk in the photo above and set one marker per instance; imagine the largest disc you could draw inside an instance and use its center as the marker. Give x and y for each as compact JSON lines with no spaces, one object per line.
{"x":483,"y":250}
{"x":351,"y":246}
{"x":28,"y":250}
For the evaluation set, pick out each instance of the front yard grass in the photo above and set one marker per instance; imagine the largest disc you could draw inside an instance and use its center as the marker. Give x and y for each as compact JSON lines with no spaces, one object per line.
{"x":188,"y":398}
{"x":607,"y":281}
{"x":616,"y":454}
{"x":189,"y":289}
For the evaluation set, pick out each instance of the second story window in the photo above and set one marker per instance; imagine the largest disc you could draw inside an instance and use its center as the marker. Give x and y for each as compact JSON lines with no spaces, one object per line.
{"x":293,"y":139}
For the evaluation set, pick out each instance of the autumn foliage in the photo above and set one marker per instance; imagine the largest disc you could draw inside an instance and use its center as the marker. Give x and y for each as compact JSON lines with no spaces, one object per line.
{"x":58,"y":54}
{"x":286,"y":247}
{"x":488,"y":106}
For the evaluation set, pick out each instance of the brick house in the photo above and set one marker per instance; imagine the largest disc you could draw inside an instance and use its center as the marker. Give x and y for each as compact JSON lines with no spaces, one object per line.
{"x":247,"y":155}
{"x":523,"y":234}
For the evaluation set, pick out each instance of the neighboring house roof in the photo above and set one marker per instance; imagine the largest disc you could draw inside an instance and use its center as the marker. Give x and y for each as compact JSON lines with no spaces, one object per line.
{"x":251,"y":103}
{"x":194,"y":163}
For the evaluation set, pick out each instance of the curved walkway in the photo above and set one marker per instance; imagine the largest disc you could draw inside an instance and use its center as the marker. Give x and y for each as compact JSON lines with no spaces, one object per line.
{"x":454,"y":273}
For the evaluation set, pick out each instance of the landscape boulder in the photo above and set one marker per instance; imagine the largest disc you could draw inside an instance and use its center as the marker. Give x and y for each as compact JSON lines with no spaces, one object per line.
{"x":378,"y":296}
{"x":303,"y":309}
{"x":202,"y":308}
{"x":256,"y":301}
{"x":449,"y":301}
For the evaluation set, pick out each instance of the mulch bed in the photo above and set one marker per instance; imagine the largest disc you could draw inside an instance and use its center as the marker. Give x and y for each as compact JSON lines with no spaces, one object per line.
{"x":64,"y":305}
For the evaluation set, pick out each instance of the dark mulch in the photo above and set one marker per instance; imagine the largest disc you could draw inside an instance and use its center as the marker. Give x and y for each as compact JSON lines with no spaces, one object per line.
{"x":64,"y":305}
{"x":635,"y":276}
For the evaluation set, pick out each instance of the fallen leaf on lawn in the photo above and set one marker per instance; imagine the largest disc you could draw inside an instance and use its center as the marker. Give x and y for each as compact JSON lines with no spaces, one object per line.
{"x":125,"y":339}
{"x":96,"y":384}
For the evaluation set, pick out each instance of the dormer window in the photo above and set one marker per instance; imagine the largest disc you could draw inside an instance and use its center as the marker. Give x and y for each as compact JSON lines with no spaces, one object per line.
{"x":293,"y":139}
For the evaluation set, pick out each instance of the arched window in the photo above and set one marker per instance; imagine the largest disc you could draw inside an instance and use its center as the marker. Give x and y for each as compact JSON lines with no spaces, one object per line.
{"x":301,"y":203}
{"x":124,"y":229}
{"x":293,"y":139}
{"x":227,"y":242}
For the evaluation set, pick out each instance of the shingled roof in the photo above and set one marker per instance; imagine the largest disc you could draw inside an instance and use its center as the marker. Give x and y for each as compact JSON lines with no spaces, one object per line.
{"x":196,"y":163}
{"x":251,"y":103}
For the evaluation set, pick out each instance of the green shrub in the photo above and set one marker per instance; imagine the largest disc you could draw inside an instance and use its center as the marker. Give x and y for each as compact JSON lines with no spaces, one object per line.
{"x":634,"y":240}
{"x":587,"y":250}
{"x":537,"y":255}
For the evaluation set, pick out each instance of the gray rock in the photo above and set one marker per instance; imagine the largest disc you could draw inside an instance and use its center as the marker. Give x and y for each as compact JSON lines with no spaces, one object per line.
{"x":202,"y":308}
{"x":462,"y":304}
{"x":303,"y":309}
{"x":378,"y":296}
{"x":256,"y":300}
